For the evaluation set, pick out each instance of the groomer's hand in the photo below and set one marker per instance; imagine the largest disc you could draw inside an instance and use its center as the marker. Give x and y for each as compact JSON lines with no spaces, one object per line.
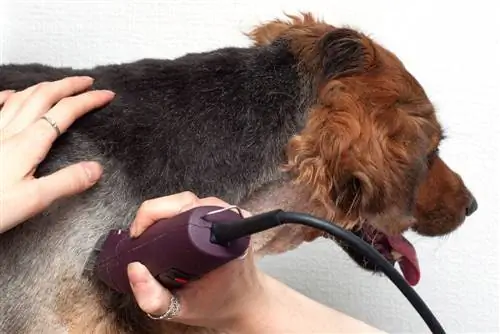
{"x":26,"y":138}
{"x":218,"y":298}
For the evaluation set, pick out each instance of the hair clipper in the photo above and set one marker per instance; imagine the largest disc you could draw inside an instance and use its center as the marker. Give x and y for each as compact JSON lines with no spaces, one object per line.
{"x":176,"y":250}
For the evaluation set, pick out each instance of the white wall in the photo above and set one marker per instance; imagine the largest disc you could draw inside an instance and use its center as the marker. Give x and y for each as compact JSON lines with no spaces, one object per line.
{"x":452,"y":50}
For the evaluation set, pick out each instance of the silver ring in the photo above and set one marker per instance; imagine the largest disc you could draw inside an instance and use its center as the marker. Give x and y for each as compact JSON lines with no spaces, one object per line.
{"x":173,"y":310}
{"x":53,"y":124}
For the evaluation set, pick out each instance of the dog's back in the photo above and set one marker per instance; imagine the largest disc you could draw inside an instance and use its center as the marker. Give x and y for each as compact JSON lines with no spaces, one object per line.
{"x":194,"y":124}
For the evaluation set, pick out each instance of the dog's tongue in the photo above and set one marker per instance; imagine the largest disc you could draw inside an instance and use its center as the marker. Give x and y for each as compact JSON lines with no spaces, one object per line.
{"x":408,"y":261}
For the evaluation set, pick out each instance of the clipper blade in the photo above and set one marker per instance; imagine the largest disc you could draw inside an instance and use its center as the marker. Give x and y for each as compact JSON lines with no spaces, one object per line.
{"x":94,"y":254}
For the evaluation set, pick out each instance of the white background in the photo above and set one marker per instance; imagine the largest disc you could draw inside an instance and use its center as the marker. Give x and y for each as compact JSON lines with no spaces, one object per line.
{"x":452,"y":49}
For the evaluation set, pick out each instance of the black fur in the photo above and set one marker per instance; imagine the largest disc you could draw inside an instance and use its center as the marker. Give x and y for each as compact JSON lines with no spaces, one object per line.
{"x":195,"y":120}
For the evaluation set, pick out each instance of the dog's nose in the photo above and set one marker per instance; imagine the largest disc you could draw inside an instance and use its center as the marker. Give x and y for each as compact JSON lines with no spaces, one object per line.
{"x":472,"y":207}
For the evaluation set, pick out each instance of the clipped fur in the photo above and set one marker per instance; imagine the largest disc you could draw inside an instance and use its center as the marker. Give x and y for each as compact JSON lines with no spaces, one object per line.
{"x":310,"y":118}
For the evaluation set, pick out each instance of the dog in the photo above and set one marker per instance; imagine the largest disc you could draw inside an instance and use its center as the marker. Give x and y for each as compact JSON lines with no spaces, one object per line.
{"x":310,"y":117}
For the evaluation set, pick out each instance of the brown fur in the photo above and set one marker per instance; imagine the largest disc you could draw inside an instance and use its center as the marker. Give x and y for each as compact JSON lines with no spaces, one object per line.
{"x":77,"y":309}
{"x":444,"y":189}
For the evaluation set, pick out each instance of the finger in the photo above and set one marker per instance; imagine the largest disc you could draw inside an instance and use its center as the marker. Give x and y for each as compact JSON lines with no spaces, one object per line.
{"x":4,"y":116}
{"x":68,"y":181}
{"x":4,"y":96}
{"x":34,"y":195}
{"x":69,"y":109}
{"x":43,"y":97}
{"x":158,"y":208}
{"x":40,"y":136}
{"x":150,"y":295}
{"x":12,"y":104}
{"x":165,"y":207}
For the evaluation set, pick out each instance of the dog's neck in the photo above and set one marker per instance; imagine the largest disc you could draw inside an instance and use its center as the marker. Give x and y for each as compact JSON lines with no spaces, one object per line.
{"x":282,"y":194}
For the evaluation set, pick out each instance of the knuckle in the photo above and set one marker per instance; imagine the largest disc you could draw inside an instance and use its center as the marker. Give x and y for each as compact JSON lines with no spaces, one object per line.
{"x":66,"y":103}
{"x":212,"y":200}
{"x":76,"y":105}
{"x":42,"y":87}
{"x":79,"y":179}
{"x":76,"y":83}
{"x":41,"y":93}
{"x":146,"y":205}
{"x":44,"y":134}
{"x":72,"y":79}
{"x":189,"y":196}
{"x":67,"y":100}
{"x":69,"y":79}
{"x":38,"y":197}
{"x":5,"y":95}
{"x":156,"y":304}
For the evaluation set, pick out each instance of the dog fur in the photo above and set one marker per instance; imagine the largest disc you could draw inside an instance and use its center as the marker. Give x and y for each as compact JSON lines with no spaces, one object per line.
{"x":311,"y":118}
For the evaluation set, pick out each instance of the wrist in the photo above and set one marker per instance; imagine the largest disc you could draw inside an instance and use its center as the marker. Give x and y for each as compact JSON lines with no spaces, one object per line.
{"x":277,"y":308}
{"x":254,"y":313}
{"x":268,"y":309}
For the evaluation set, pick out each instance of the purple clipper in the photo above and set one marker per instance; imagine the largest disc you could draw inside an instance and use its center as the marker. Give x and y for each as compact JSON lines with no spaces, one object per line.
{"x":175,"y":250}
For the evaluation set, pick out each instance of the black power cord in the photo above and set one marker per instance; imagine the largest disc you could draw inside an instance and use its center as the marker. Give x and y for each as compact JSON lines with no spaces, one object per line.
{"x":223,"y":233}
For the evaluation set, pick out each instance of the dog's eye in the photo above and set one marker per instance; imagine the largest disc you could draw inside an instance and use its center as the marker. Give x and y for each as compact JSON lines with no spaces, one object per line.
{"x":431,"y":156}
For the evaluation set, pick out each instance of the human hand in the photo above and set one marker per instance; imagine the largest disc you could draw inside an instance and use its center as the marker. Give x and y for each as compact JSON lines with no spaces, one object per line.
{"x":26,"y":138}
{"x":216,"y":300}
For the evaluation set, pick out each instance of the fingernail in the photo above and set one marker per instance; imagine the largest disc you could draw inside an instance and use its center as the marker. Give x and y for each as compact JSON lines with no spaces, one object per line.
{"x":108,"y":92}
{"x":138,"y":273}
{"x":88,"y":78}
{"x":93,"y":170}
{"x":135,"y":267}
{"x":132,"y":230}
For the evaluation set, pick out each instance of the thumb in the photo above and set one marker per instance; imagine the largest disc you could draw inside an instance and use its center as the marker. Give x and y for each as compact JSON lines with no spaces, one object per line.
{"x":32,"y":196}
{"x":68,"y":181}
{"x":150,"y":295}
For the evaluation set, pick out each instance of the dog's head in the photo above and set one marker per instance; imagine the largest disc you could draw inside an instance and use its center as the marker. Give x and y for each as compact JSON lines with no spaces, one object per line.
{"x":369,"y":151}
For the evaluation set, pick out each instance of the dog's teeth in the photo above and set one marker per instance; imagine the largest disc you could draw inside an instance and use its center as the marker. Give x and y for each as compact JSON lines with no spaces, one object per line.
{"x":396,"y":255}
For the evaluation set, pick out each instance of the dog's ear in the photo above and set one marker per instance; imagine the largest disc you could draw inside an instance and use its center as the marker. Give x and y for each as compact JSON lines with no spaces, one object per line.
{"x":337,"y":162}
{"x":344,"y":156}
{"x":344,"y":52}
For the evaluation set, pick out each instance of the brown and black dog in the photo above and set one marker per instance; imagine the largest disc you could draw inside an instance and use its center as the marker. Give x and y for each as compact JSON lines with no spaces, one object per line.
{"x":312,"y":118}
